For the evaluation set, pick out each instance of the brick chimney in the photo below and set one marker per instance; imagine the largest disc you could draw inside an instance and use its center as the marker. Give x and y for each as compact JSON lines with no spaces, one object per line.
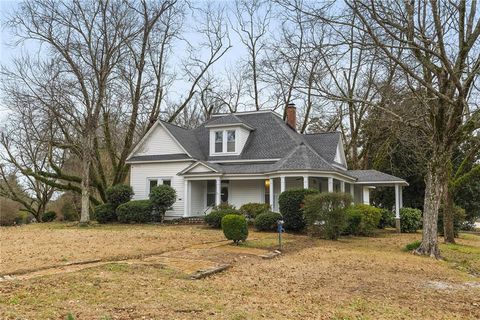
{"x":292,"y":116}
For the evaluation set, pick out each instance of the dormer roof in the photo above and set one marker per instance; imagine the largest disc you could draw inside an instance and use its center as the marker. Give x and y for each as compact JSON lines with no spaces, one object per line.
{"x":226,"y":121}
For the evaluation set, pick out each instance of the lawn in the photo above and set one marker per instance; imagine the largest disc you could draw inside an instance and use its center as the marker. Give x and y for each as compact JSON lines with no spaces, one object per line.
{"x":354,"y":278}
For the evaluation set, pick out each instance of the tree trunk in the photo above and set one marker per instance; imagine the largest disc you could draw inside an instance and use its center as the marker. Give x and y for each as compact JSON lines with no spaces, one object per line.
{"x":433,"y":195}
{"x":85,"y":185}
{"x":448,"y":217}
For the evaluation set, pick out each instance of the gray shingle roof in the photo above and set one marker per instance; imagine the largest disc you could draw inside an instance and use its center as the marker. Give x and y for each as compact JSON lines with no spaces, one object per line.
{"x":187,"y":139}
{"x":302,"y":157}
{"x":226,"y":120}
{"x":324,"y":144}
{"x":159,"y":157}
{"x":373,"y":176}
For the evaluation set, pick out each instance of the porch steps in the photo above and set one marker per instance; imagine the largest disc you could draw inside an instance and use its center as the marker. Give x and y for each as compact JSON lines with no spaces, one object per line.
{"x":189,"y":220}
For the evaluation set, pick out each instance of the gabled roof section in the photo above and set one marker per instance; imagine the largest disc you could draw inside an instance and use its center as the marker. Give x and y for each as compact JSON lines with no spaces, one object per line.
{"x":227,"y":120}
{"x":374,"y":176}
{"x":302,"y":157}
{"x":324,"y":144}
{"x":186,"y":138}
{"x":201,"y":167}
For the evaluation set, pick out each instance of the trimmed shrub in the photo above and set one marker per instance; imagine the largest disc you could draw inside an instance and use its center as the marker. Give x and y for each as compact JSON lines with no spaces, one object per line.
{"x":458,"y":220}
{"x":252,"y":210}
{"x":135,"y":211}
{"x":49,"y":216}
{"x":387,"y":220}
{"x":119,"y":194}
{"x":325,"y":214}
{"x":363,"y":219}
{"x":162,"y":198}
{"x":410,"y":220}
{"x":105,"y":213}
{"x":235,"y":228}
{"x":267,"y":221}
{"x":224,"y":206}
{"x":214,"y":218}
{"x":291,"y":203}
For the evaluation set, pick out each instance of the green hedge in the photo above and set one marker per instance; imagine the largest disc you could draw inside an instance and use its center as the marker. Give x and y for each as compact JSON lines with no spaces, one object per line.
{"x":214,"y":218}
{"x":119,"y":194}
{"x":325,"y":214}
{"x":135,"y":211}
{"x":410,"y":220}
{"x":235,"y":228}
{"x":291,"y":203}
{"x":267,"y":221}
{"x":252,"y":210}
{"x":49,"y":216}
{"x":162,"y":198}
{"x":387,"y":220}
{"x":363,"y":220}
{"x":105,"y":213}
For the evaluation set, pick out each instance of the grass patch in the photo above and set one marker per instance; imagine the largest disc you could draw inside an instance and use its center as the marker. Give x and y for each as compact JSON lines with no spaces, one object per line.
{"x":412,"y":245}
{"x":117,"y":267}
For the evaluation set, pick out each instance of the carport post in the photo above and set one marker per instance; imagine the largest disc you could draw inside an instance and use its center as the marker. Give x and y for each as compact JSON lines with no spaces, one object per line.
{"x":398,"y":205}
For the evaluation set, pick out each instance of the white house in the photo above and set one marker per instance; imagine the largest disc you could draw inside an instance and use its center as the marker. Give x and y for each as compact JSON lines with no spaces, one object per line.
{"x":246,"y":157}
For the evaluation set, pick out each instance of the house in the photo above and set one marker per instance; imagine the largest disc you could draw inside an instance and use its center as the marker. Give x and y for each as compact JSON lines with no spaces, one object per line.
{"x":246,"y":157}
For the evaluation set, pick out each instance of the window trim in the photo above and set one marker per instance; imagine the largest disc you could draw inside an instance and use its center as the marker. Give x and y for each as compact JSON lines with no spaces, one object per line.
{"x":224,"y":142}
{"x":159,"y":182}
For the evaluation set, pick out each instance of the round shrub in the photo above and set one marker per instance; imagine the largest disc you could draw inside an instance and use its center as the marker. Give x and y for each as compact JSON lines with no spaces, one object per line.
{"x":387,"y":220}
{"x":105,"y":213}
{"x":135,"y":211}
{"x":410,"y":220}
{"x":252,"y":210}
{"x":119,"y":194}
{"x":325,"y":214}
{"x":214,"y":218}
{"x":291,"y":202}
{"x":49,"y":216}
{"x":235,"y":228}
{"x":162,"y":198}
{"x":363,"y":219}
{"x":267,"y":221}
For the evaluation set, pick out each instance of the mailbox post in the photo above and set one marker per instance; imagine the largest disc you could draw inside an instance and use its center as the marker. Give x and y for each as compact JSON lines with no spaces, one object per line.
{"x":280,"y":230}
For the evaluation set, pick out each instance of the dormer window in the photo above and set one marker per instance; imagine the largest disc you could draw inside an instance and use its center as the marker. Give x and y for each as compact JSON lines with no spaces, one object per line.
{"x":225,"y":141}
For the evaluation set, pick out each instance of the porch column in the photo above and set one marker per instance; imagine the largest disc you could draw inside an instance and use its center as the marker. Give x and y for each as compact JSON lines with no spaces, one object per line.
{"x":218,"y":191}
{"x":342,"y":186}
{"x":398,"y":205}
{"x":282,"y":184}
{"x":272,"y":205}
{"x":330,"y":184}
{"x":186,"y":198}
{"x":366,"y":195}
{"x":305,"y":182}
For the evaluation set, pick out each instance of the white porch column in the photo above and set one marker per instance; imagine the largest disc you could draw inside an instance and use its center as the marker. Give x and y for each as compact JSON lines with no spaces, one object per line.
{"x":186,"y":198}
{"x":305,"y":182}
{"x":398,"y":205}
{"x":366,"y":195}
{"x":282,"y":184}
{"x":272,"y":205}
{"x":342,"y":186}
{"x":218,"y":191}
{"x":330,"y":184}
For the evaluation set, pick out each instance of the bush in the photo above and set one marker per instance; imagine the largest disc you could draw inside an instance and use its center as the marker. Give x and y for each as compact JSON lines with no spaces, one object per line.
{"x":410,"y":220}
{"x":235,"y":228}
{"x":162,"y":198}
{"x":49,"y":216}
{"x":105,"y":213}
{"x":458,"y":220}
{"x":267,"y":221}
{"x":69,"y":212}
{"x":135,"y":211}
{"x":413,"y":245}
{"x":291,"y":203}
{"x":387,"y":220}
{"x":325,"y":214}
{"x":119,"y":194}
{"x":252,"y":210}
{"x":214,"y":218}
{"x":362,"y":219}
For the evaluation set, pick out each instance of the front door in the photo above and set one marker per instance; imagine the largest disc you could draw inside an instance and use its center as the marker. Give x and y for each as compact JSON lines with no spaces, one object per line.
{"x":224,"y":191}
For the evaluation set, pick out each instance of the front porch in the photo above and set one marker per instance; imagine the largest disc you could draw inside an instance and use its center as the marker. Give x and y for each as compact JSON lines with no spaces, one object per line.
{"x":204,"y":192}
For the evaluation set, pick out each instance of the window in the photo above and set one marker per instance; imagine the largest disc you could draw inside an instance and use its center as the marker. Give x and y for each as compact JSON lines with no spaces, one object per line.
{"x":211,"y":189}
{"x":167,"y":182}
{"x":231,"y":141}
{"x":152,"y":183}
{"x":219,"y":141}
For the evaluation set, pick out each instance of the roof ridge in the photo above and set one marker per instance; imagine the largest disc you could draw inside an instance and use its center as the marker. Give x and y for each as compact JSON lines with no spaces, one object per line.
{"x":174,"y":125}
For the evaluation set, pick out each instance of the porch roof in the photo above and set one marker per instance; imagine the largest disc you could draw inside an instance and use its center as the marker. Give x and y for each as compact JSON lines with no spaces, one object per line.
{"x":374,"y":177}
{"x":159,"y":157}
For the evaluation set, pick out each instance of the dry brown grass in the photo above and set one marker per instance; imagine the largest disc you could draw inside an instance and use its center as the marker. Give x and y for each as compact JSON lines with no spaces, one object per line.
{"x":354,"y":278}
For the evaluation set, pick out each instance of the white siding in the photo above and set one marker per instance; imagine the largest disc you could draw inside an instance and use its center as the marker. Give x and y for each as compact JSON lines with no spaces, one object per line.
{"x":140,"y":173}
{"x":159,"y":142}
{"x":242,"y":138}
{"x":245,"y":191}
{"x":198,"y":198}
{"x":200,"y":169}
